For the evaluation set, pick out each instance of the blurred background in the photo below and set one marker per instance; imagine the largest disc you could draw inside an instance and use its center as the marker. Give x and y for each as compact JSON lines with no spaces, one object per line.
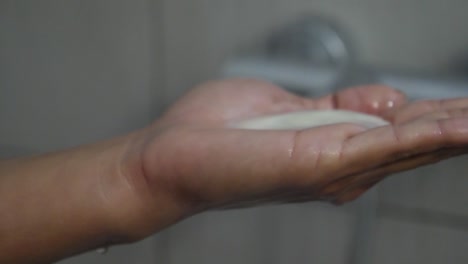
{"x":73,"y":72}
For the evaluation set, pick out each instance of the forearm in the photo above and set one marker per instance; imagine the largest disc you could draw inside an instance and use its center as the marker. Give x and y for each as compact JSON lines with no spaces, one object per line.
{"x":56,"y":205}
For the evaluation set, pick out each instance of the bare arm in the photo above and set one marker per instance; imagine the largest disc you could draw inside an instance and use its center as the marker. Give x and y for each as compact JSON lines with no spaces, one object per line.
{"x":60,"y":204}
{"x":191,"y":160}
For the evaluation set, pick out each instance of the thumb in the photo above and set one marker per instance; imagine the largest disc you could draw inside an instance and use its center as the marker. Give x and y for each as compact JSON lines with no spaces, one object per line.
{"x":371,"y":99}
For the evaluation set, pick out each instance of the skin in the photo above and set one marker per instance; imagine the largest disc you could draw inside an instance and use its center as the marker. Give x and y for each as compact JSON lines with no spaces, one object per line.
{"x":190,"y":160}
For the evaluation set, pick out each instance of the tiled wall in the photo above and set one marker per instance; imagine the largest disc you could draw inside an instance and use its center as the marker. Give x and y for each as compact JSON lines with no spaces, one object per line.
{"x":71,"y":73}
{"x":413,"y":35}
{"x":78,"y":71}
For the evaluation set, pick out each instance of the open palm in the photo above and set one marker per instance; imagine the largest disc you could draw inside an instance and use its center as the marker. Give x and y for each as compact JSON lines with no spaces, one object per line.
{"x":204,"y":163}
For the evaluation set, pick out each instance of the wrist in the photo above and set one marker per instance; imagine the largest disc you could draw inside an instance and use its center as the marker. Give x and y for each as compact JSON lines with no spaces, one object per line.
{"x":139,"y":203}
{"x":56,"y":203}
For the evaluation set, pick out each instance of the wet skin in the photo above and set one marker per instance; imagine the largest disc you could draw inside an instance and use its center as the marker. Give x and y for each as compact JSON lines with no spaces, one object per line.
{"x":206,"y":164}
{"x":191,"y":159}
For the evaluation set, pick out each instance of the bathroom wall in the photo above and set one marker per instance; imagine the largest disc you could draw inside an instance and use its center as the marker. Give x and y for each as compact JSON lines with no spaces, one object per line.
{"x":78,"y":71}
{"x":421,"y":214}
{"x":409,"y":35}
{"x":73,"y":72}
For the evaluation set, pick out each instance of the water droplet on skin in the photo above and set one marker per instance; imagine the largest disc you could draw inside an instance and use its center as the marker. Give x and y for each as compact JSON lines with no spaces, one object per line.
{"x":375,"y":105}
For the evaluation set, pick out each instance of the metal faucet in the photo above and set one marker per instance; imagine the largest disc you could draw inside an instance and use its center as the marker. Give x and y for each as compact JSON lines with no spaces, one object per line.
{"x":316,"y":56}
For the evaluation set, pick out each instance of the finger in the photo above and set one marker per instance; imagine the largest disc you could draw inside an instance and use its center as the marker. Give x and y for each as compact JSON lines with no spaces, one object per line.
{"x":353,"y":194}
{"x":405,"y":164}
{"x":445,"y":114}
{"x":352,"y":186}
{"x":393,"y":142}
{"x":417,"y":109}
{"x":349,"y":196}
{"x":363,"y":181}
{"x":372,"y":99}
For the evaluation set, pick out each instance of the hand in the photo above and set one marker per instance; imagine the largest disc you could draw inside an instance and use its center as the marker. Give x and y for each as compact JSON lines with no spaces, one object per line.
{"x":191,"y":160}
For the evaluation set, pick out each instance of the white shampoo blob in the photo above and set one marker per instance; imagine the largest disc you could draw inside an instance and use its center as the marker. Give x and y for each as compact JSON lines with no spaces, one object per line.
{"x":308,"y":119}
